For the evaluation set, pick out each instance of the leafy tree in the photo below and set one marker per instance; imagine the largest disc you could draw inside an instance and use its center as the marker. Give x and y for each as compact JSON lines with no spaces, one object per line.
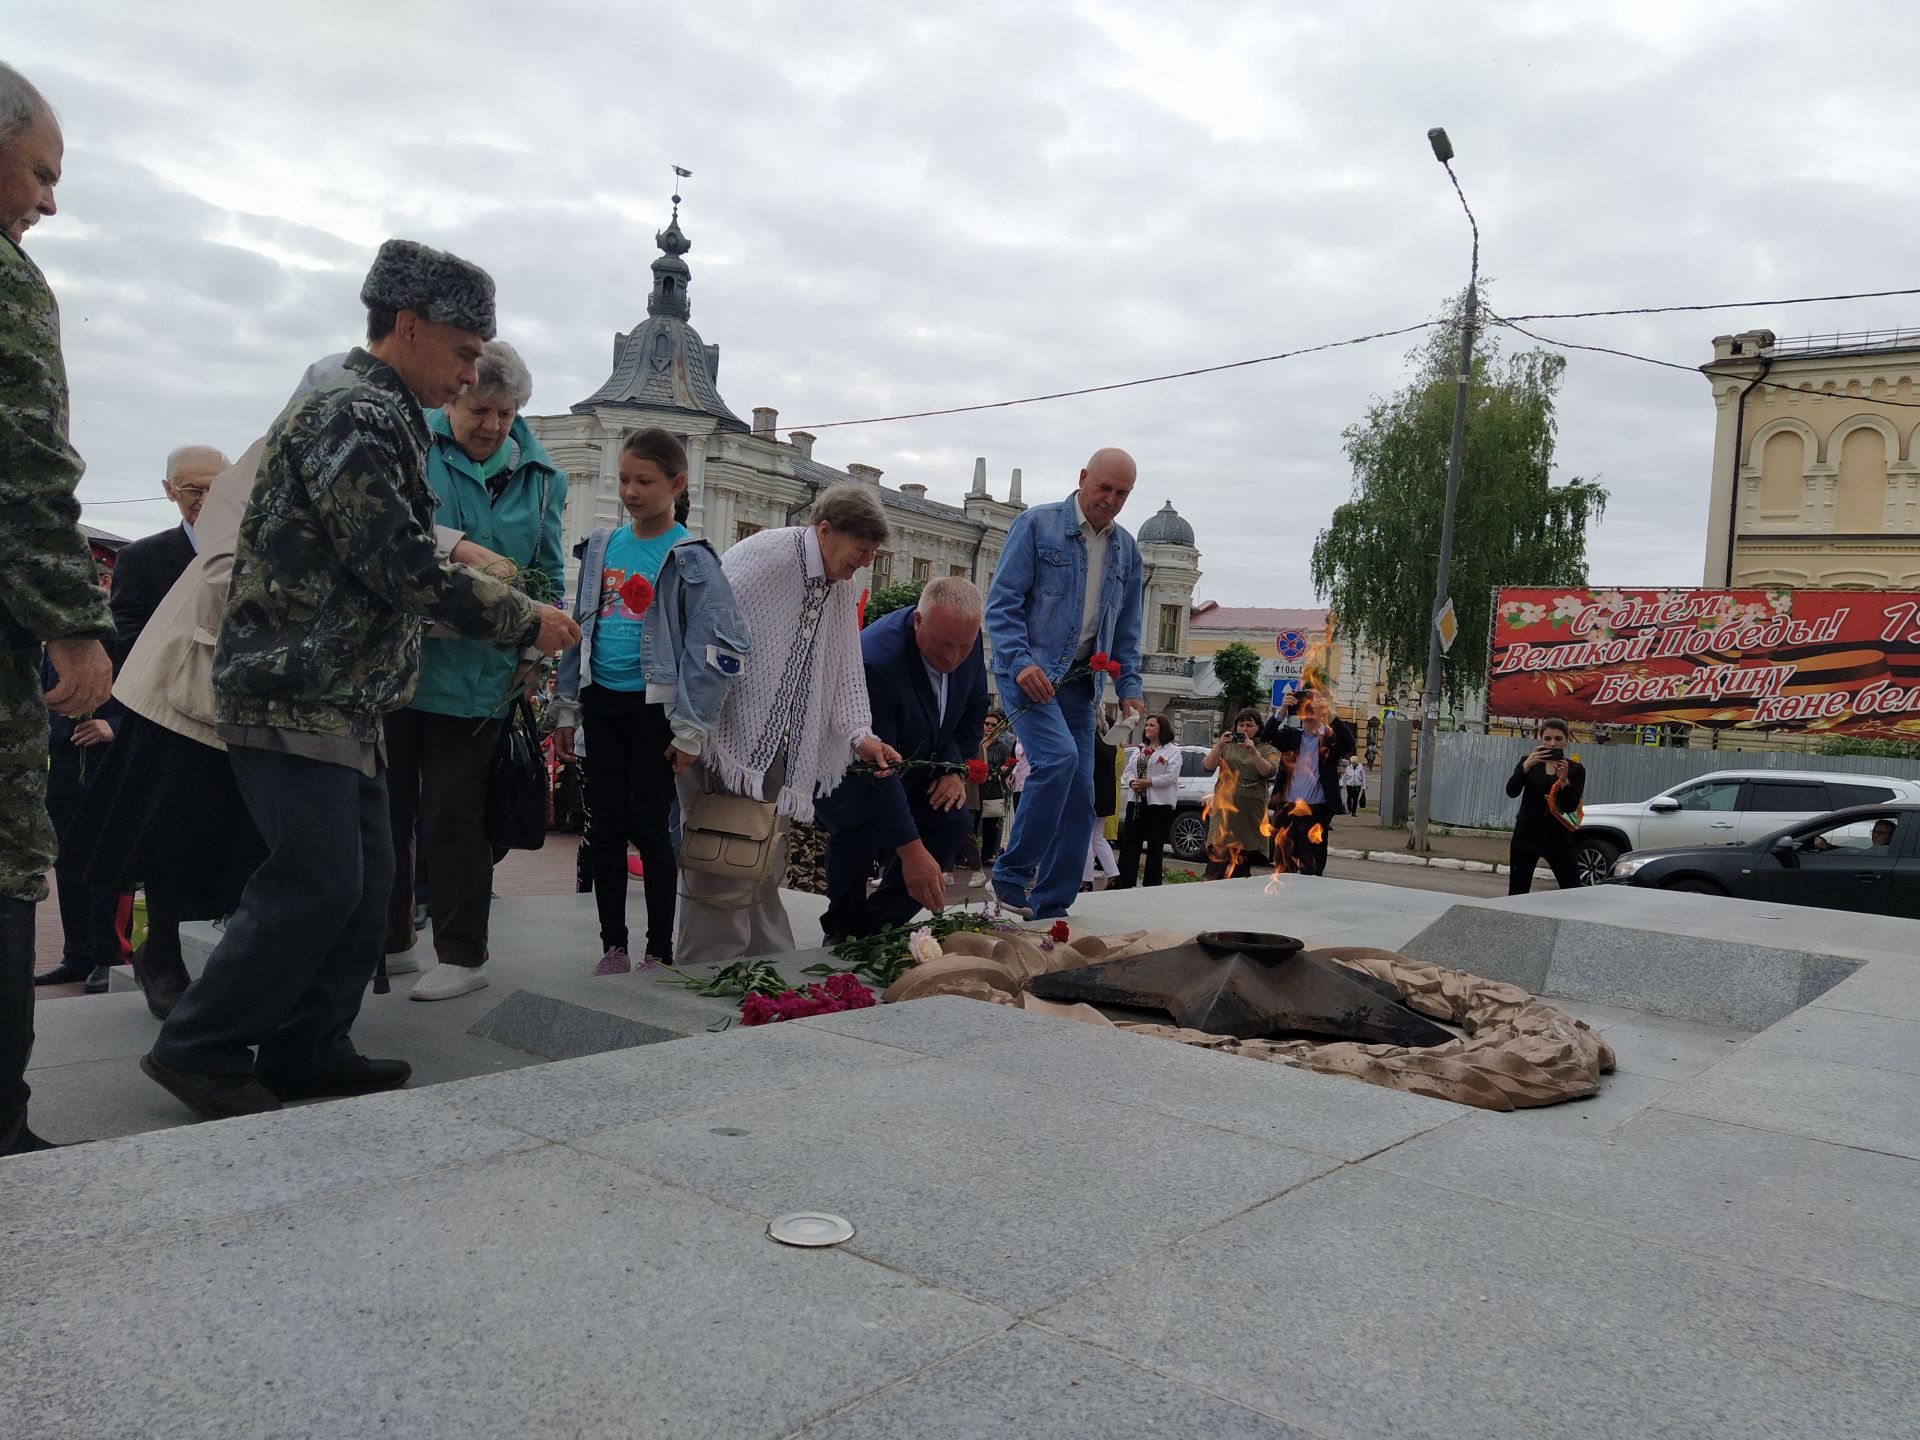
{"x":889,"y":598}
{"x":1512,"y":525}
{"x":1237,"y":667}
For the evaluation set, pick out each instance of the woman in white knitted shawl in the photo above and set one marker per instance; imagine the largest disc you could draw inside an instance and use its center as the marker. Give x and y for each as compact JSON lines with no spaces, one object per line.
{"x":799,"y":714}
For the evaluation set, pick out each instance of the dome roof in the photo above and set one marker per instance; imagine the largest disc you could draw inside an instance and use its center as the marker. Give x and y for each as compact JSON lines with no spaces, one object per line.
{"x":1166,"y":528}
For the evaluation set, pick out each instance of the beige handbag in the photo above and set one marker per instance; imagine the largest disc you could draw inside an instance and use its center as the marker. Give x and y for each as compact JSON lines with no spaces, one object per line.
{"x":730,"y":837}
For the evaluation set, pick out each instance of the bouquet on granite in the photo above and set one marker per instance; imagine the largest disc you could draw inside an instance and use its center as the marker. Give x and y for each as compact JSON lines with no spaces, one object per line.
{"x":837,"y":992}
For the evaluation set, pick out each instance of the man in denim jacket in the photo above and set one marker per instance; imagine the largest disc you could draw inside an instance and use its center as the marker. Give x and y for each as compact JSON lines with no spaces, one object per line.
{"x":1067,"y":588}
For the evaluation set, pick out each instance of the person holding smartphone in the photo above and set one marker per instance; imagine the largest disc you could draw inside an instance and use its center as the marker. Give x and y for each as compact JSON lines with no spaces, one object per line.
{"x":1242,"y":765}
{"x":1543,"y":828}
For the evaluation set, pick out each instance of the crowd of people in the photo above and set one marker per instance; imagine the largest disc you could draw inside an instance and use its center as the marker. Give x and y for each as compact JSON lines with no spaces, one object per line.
{"x":292,"y":712}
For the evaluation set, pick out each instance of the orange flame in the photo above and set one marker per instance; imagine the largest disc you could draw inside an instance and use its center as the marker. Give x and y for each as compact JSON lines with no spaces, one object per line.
{"x":1315,"y":835}
{"x":1299,"y":807}
{"x":1222,"y":800}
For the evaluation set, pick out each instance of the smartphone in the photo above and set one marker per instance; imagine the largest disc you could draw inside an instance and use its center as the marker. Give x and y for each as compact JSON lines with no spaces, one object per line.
{"x":1556,"y":753}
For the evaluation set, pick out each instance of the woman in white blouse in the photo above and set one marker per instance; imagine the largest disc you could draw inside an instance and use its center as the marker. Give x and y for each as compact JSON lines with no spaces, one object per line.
{"x":1152,"y":783}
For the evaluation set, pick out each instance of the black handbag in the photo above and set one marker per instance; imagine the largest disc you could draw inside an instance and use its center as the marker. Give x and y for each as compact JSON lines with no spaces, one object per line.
{"x":517,"y":789}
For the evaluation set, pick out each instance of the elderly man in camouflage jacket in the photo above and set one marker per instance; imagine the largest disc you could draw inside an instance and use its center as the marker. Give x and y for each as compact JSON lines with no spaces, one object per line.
{"x":48,"y":590}
{"x":335,"y":566}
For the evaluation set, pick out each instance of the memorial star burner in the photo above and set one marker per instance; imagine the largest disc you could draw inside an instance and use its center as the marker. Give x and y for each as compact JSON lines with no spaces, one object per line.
{"x":1250,"y":985}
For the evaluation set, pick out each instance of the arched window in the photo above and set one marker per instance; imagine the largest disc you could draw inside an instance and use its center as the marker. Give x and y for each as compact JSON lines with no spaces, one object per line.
{"x":1860,"y":492}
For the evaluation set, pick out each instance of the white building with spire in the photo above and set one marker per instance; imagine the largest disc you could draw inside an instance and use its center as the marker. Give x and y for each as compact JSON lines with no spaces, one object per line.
{"x":742,"y":477}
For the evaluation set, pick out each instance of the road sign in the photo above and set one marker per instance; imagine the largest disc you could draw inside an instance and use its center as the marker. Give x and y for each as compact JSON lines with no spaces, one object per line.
{"x":1649,"y":734}
{"x":1448,"y":624}
{"x":1291,"y":644}
{"x":1282,"y":686}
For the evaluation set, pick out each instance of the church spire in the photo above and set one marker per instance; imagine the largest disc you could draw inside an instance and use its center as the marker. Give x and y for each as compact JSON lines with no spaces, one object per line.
{"x":670,"y":273}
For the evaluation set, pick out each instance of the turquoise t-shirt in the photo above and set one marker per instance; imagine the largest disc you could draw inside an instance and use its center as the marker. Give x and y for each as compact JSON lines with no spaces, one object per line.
{"x":616,"y":635}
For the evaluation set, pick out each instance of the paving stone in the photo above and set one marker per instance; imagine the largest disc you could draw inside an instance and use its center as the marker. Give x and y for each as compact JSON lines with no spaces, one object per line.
{"x":601,"y":1092}
{"x":1330,"y":1114}
{"x":1670,"y":1049}
{"x":560,"y":1030}
{"x":977,"y":1181}
{"x":1622,"y":1097}
{"x":1870,"y":1040}
{"x":542,"y":1294}
{"x":1827,"y":1213}
{"x":1028,"y":1382}
{"x":1679,"y":975}
{"x":1497,"y":944}
{"x":114,"y":1190}
{"x":1822,"y":973}
{"x":1820,"y":1099}
{"x":939,"y":1024}
{"x":1368,"y":1304}
{"x":1597,"y":1016}
{"x":1889,"y":987}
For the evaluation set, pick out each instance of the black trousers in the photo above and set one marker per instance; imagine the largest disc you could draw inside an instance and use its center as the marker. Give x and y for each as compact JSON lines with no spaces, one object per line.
{"x":1529,"y":847}
{"x":629,"y":786}
{"x":437,"y":772}
{"x":852,"y":850}
{"x":1310,"y":855}
{"x":1356,"y":797}
{"x":1144,"y":827}
{"x":87,"y":913}
{"x":16,"y":1015}
{"x":289,"y":973}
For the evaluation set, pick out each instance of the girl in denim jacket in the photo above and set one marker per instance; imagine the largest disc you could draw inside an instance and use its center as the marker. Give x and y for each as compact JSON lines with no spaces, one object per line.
{"x":661,"y":644}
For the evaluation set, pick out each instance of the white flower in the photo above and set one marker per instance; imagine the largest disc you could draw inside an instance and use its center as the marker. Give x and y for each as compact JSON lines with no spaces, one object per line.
{"x":1512,"y":607}
{"x":923,"y":947}
{"x":1532,"y":614}
{"x":1568,"y":607}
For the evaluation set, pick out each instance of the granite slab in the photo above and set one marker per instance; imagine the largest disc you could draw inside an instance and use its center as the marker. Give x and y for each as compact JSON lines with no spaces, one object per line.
{"x":549,"y":1293}
{"x":1824,"y":1213}
{"x":1368,"y":1304}
{"x":979,"y":1182}
{"x":1819,"y":1099}
{"x":1028,"y":1382}
{"x":572,"y":1098}
{"x":1328,"y":1114}
{"x":1817,"y":1033}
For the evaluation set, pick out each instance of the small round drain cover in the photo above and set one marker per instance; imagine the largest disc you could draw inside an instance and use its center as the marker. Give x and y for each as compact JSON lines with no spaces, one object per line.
{"x":809,"y":1227}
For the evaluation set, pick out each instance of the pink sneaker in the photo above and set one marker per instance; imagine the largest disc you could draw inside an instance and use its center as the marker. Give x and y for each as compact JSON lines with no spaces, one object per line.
{"x":614,"y":962}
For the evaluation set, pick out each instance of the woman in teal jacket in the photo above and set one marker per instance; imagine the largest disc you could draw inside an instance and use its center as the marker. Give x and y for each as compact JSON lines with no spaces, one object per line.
{"x":498,"y":489}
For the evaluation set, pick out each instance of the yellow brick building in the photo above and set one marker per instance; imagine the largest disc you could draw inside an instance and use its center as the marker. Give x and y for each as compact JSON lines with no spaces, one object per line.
{"x":1816,"y":461}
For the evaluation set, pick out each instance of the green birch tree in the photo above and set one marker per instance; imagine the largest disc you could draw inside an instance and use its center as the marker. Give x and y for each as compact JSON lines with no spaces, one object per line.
{"x":1376,"y":563}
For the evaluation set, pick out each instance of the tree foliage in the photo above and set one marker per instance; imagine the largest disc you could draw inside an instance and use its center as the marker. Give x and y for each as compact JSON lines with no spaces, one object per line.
{"x":1237,"y":667}
{"x":889,"y":598}
{"x":1513,"y":525}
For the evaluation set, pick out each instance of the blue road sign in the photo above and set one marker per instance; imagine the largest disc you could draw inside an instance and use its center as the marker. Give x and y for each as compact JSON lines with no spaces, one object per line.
{"x":1292,"y":644}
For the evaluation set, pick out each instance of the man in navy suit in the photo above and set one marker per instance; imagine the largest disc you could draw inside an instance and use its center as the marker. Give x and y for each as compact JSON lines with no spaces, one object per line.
{"x":927,"y":682}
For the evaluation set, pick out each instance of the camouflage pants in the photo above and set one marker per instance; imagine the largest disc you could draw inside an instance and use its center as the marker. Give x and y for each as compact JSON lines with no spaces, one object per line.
{"x":26,"y":834}
{"x":807,"y":859}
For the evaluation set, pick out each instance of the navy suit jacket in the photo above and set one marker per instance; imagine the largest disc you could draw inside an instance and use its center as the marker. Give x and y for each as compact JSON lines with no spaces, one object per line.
{"x":906,"y":716}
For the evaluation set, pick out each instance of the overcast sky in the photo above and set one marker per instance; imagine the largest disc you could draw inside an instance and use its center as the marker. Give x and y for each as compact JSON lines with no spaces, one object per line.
{"x":894,"y":210}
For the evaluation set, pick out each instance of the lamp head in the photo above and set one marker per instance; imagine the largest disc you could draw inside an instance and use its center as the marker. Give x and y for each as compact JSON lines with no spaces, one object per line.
{"x":1442,"y":146}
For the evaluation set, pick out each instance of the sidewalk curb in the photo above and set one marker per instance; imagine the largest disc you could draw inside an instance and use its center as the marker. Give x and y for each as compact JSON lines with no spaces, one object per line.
{"x":1437,"y":862}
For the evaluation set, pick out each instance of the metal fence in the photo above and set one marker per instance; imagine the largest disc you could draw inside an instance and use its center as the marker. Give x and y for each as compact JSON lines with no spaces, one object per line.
{"x":1470,"y":772}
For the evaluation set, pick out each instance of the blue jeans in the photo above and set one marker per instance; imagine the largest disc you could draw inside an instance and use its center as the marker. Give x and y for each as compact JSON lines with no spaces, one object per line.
{"x":1046,"y":855}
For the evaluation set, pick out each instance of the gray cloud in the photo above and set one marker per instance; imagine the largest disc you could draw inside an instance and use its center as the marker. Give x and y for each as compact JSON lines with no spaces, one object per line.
{"x":899,"y":209}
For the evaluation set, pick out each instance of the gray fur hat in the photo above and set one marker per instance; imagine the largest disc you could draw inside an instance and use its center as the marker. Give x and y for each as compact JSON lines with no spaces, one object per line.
{"x":436,"y":286}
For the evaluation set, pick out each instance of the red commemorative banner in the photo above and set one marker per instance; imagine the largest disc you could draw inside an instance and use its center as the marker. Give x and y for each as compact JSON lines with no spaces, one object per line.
{"x":1840,"y":662}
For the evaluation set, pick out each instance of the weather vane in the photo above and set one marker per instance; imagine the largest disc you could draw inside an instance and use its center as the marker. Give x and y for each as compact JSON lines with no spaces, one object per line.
{"x":679,"y":174}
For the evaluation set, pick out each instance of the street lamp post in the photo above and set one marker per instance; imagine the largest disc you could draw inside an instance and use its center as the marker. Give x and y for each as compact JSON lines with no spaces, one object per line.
{"x":1430,"y":698}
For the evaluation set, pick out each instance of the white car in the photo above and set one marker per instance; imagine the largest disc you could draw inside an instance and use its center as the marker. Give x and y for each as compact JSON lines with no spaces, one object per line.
{"x":1728,"y":807}
{"x":1188,"y":837}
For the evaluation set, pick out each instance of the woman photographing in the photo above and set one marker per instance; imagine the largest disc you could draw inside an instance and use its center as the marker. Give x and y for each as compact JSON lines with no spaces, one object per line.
{"x":1550,"y":787}
{"x":1153,"y":789}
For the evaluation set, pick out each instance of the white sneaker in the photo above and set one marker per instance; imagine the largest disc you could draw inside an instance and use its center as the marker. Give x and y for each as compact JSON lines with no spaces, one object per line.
{"x":445,"y":982}
{"x":402,"y":962}
{"x":979,"y":881}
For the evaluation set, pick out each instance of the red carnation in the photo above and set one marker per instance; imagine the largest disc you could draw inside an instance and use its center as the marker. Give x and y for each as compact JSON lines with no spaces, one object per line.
{"x":860,"y":615}
{"x":1059,"y":933}
{"x":976,"y":772}
{"x":1100,"y":661}
{"x":636,"y":594}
